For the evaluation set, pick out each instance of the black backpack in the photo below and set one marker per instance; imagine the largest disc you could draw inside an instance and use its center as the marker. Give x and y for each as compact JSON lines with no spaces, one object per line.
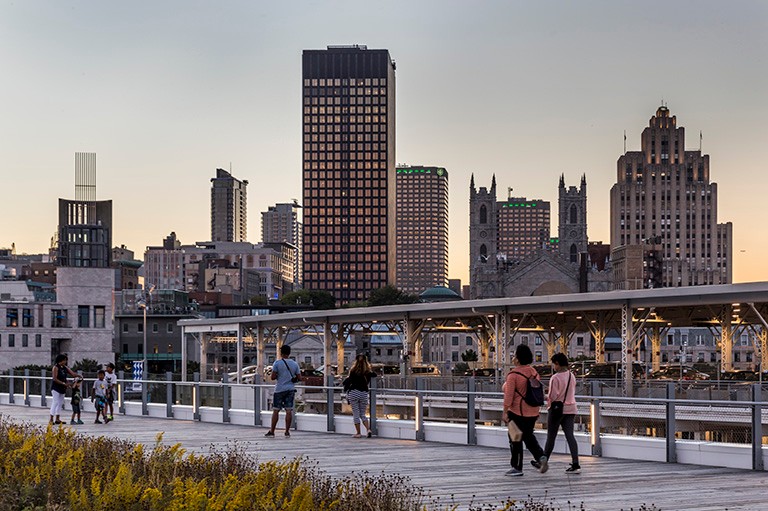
{"x":534,"y":391}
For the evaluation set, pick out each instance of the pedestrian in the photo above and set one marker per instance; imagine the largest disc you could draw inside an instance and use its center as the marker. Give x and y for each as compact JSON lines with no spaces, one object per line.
{"x":286,"y":373}
{"x":99,"y":397}
{"x":59,"y":386}
{"x":111,"y":378}
{"x":561,"y":406}
{"x":356,"y":387}
{"x":524,"y":415}
{"x":75,"y":401}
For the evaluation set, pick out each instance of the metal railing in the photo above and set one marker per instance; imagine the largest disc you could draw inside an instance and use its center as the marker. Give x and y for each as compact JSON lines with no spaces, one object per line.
{"x":739,"y":422}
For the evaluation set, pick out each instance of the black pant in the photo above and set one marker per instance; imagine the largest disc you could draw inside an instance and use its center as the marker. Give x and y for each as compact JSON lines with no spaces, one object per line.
{"x":526,"y":425}
{"x":555,"y":421}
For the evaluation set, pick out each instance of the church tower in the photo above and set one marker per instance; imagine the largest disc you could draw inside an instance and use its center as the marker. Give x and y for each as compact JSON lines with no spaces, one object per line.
{"x":572,"y":224}
{"x":483,"y":232}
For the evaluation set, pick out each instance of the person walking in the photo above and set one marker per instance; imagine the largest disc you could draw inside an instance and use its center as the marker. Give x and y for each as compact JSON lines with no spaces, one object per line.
{"x":111,"y":378}
{"x":286,"y":372}
{"x":561,"y":406}
{"x":524,"y":415}
{"x":100,"y":396}
{"x":59,"y":385}
{"x":356,"y":386}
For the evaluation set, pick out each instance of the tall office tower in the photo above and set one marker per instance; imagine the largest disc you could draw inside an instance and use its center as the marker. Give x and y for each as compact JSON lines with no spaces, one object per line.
{"x":229,"y":219}
{"x":85,"y":224}
{"x":422,"y":228}
{"x":281,"y":224}
{"x":348,"y":171}
{"x":663,"y":193}
{"x":572,"y":224}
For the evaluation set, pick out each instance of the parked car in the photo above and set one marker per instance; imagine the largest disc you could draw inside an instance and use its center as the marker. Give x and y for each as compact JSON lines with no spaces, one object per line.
{"x":612,"y":371}
{"x":741,"y":375}
{"x":485,"y":372}
{"x":312,"y":377}
{"x":385,"y":369}
{"x":425,"y":370}
{"x":673,"y":372}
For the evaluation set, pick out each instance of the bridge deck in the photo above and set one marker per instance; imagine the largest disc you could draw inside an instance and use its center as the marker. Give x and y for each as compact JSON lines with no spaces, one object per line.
{"x":468,"y":473}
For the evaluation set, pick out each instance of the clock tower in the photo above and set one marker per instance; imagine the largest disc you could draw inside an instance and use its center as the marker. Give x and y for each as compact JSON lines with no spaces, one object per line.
{"x":572,"y":224}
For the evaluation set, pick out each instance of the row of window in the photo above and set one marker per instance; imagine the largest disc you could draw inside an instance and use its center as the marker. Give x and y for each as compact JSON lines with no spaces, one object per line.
{"x":155,"y":328}
{"x":59,"y":317}
{"x":344,"y":82}
{"x":11,"y":340}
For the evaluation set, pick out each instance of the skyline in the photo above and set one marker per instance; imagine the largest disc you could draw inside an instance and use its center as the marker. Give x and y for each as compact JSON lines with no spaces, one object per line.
{"x":525,"y":91}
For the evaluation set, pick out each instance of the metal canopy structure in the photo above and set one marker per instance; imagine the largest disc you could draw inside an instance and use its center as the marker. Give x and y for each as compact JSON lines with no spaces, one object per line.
{"x":725,"y":309}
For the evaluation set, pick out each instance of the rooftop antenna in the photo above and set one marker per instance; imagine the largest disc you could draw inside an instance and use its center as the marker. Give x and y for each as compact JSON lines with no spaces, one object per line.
{"x":701,"y":136}
{"x":509,"y":192}
{"x":625,"y":141}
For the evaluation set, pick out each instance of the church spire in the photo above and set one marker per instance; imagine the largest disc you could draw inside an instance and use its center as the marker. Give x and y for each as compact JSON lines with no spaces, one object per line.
{"x":493,"y":184}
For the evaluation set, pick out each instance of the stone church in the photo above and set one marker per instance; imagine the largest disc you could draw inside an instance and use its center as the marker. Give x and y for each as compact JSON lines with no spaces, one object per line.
{"x":533,"y":263}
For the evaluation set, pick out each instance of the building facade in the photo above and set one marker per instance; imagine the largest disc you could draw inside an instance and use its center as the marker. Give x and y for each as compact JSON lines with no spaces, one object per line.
{"x":664,"y":192}
{"x":422,"y":228}
{"x":229,"y":211}
{"x":348,"y":171}
{"x":281,"y":223}
{"x":572,"y":216}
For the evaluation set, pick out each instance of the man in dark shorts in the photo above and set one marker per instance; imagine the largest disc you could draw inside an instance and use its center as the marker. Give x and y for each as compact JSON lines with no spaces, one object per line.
{"x":111,"y":378}
{"x":286,"y":372}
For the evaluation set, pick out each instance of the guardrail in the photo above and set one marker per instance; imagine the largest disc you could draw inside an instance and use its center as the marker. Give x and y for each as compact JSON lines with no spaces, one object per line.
{"x":686,"y":429}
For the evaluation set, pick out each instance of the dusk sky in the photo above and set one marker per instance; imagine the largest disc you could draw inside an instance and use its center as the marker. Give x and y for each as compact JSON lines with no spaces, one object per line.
{"x":166,"y":92}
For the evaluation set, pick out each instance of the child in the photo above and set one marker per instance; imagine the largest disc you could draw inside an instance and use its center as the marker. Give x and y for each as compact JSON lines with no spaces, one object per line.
{"x":75,"y":402}
{"x":111,"y":379}
{"x":100,"y":396}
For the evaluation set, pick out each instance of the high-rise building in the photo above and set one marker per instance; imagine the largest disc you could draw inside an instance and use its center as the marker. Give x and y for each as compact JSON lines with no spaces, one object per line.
{"x":348,"y":171}
{"x":281,"y":224}
{"x":422,"y":228}
{"x":85,"y":224}
{"x":663,"y":193}
{"x":229,"y":219}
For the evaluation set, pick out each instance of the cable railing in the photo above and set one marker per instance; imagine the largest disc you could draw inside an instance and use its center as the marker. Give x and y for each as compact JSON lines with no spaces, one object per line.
{"x":471,"y":407}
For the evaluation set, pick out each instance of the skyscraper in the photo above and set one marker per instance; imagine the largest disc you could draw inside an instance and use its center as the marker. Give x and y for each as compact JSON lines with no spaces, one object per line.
{"x":229,"y":220}
{"x":348,"y":171}
{"x":663,"y":195}
{"x":422,"y":228}
{"x":281,"y":224}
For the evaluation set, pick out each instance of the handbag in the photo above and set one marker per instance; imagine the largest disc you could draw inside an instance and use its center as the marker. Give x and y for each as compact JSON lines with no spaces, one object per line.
{"x":556,"y":407}
{"x":515,"y":434}
{"x":294,"y":378}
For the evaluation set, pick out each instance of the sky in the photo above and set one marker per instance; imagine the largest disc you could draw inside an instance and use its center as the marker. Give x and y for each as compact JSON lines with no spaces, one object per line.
{"x":166,"y":92}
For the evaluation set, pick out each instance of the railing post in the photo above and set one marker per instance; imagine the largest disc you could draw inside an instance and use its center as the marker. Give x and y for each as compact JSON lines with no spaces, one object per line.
{"x":757,"y":428}
{"x":331,"y":425}
{"x":225,"y":398}
{"x":26,"y":387}
{"x":196,"y":397}
{"x":11,"y":385}
{"x":257,"y":400}
{"x":373,"y":421}
{"x":594,"y":414}
{"x":120,"y":392}
{"x":419,"y":406}
{"x":169,"y":394}
{"x":471,"y":432}
{"x":670,"y":424}
{"x":145,"y":393}
{"x":43,"y":387}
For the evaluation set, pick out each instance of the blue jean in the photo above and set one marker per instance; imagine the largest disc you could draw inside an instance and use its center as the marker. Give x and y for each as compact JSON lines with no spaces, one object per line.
{"x":283,"y":400}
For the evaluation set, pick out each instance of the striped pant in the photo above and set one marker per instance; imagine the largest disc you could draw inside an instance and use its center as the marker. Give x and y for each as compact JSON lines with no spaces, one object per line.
{"x":358,"y":400}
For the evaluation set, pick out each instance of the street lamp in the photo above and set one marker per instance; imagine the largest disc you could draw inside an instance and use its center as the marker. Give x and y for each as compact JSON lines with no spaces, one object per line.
{"x":143,"y":304}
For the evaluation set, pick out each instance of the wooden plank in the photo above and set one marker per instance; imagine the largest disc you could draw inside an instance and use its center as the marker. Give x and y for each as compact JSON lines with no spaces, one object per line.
{"x":468,"y":473}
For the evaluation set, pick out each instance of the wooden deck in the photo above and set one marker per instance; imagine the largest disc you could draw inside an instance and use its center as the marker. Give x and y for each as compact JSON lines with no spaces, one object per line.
{"x":464,"y":472}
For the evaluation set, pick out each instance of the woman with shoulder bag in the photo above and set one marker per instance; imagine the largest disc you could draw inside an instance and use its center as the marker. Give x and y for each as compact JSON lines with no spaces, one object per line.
{"x":561,"y":402}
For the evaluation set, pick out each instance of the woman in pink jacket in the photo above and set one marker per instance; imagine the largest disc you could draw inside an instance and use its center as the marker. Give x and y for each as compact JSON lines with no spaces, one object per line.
{"x":561,"y":405}
{"x":521,"y":413}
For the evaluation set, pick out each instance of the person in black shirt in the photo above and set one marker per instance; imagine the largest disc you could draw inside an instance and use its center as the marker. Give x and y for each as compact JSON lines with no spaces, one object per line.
{"x":59,"y":386}
{"x":356,"y":386}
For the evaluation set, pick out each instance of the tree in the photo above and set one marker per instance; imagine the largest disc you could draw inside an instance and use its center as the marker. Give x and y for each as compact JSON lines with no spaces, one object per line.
{"x":320,"y":300}
{"x":86,"y":365}
{"x":258,"y":300}
{"x":470,"y":356}
{"x":390,"y":295}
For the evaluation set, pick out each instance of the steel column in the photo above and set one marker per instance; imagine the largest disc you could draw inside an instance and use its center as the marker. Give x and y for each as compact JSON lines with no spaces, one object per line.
{"x":419,"y":409}
{"x":757,"y":428}
{"x":471,"y":432}
{"x":169,"y":394}
{"x":670,"y":424}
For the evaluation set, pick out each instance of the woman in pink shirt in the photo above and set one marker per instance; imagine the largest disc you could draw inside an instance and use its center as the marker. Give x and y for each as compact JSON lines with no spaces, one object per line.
{"x":521,"y":413}
{"x":561,"y":406}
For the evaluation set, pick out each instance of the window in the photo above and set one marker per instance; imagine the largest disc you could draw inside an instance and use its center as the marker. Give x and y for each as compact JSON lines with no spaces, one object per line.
{"x":524,"y":340}
{"x":537,"y":342}
{"x":308,"y":360}
{"x":140,"y":348}
{"x":125,"y":327}
{"x":737,"y":357}
{"x":580,"y":341}
{"x":11,"y":340}
{"x":140,"y":327}
{"x":483,"y":214}
{"x":573,"y":214}
{"x":670,"y":339}
{"x":469,"y":340}
{"x":24,"y":341}
{"x":537,"y":357}
{"x":38,"y":341}
{"x":455,"y":340}
{"x":98,"y":316}
{"x":26,"y":317}
{"x":169,"y":328}
{"x":59,"y":318}
{"x":745,"y":339}
{"x":155,"y":328}
{"x":12,"y":317}
{"x":83,"y":316}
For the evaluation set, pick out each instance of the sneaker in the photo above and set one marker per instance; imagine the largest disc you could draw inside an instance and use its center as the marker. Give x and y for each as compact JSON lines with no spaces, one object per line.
{"x":544,"y":464}
{"x":535,"y":464}
{"x":573,"y":469}
{"x":111,"y":418}
{"x":287,"y":433}
{"x":270,"y":434}
{"x":79,"y":421}
{"x":97,"y":421}
{"x":73,"y":422}
{"x":369,"y":434}
{"x":513,"y":472}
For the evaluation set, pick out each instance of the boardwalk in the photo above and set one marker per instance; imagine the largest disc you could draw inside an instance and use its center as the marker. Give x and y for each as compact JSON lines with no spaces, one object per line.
{"x":467,"y":473}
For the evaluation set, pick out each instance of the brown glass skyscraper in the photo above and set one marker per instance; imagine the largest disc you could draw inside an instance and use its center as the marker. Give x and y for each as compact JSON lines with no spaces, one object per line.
{"x":348,"y":171}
